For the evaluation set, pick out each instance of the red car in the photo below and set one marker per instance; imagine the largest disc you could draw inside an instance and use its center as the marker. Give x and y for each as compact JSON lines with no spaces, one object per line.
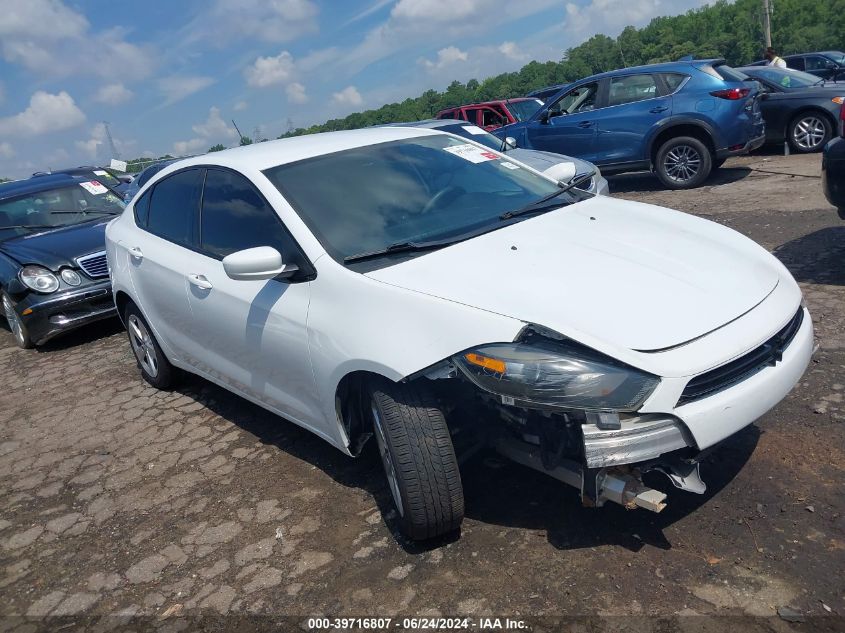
{"x":492,"y":114}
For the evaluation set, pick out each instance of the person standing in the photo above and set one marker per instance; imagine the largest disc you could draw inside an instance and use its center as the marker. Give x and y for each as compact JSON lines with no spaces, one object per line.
{"x":773,"y":58}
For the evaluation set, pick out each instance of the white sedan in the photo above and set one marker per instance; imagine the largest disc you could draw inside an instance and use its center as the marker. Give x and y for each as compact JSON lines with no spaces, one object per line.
{"x":426,"y":290}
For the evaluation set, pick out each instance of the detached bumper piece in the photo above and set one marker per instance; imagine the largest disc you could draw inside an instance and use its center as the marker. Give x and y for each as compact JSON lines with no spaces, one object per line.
{"x":620,"y":485}
{"x":50,"y":316}
{"x":640,"y":439}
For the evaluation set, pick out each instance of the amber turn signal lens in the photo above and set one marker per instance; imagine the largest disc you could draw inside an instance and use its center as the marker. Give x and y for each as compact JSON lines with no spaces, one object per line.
{"x":493,"y":364}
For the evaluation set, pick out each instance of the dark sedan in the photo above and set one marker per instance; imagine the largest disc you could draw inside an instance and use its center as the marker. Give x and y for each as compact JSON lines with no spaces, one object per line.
{"x":797,"y":107}
{"x":833,"y":174}
{"x":53,"y":271}
{"x":828,"y":65}
{"x":115,"y":181}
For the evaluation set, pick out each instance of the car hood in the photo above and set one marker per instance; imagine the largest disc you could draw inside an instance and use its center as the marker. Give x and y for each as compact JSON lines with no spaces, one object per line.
{"x":603,"y":270}
{"x":58,"y":247}
{"x":541,"y":161}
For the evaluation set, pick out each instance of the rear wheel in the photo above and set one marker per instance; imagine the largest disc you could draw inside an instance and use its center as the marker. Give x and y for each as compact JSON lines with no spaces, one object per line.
{"x":154,"y":366}
{"x":808,"y":132}
{"x":418,"y":458}
{"x":15,"y":323}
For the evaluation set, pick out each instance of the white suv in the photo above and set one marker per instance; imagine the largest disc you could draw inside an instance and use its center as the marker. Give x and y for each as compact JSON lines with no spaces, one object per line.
{"x":422,"y":288}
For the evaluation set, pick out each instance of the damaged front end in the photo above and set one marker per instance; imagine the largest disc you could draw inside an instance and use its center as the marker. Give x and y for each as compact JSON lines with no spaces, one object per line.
{"x":570,"y":412}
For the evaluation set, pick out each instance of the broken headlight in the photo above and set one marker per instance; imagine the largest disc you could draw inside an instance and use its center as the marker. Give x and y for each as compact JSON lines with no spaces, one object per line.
{"x":556,"y":373}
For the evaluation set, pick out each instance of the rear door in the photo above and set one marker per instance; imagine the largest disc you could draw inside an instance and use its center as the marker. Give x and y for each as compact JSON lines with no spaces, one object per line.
{"x":159,"y":255}
{"x":635,"y":104}
{"x":568,"y":125}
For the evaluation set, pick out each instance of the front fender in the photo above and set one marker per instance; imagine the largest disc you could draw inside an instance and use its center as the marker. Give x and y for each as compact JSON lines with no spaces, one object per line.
{"x":386,"y":330}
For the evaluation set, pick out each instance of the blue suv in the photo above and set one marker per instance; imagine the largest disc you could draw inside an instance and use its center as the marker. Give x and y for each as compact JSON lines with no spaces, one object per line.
{"x":679,"y":119}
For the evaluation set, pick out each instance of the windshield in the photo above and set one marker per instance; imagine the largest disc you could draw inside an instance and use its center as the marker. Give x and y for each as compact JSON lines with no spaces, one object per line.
{"x":524,"y":110}
{"x":789,"y":79}
{"x":414,"y":190}
{"x":70,"y":204}
{"x":837,"y":56}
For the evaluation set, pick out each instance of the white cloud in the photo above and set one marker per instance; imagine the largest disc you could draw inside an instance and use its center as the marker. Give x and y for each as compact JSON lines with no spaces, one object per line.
{"x":296,"y":93}
{"x":113,"y":94}
{"x":274,"y":21}
{"x":437,"y":10}
{"x":611,"y":16}
{"x":267,"y":71}
{"x":176,"y":88}
{"x":512,"y":51}
{"x":210,"y":132}
{"x":240,"y":105}
{"x":48,"y":38}
{"x":348,"y":96}
{"x":445,"y":57}
{"x":2,"y":92}
{"x":6,"y":150}
{"x":46,"y":113}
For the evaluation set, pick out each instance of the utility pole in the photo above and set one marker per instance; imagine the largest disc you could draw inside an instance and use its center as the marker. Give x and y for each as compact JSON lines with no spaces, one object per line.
{"x":256,"y":134}
{"x":767,"y":22}
{"x":112,"y":147}
{"x":240,"y":136}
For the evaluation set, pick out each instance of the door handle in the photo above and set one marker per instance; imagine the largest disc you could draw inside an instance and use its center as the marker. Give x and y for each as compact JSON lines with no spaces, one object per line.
{"x":585,"y":124}
{"x":199,"y":281}
{"x":136,"y":252}
{"x":658,"y":109}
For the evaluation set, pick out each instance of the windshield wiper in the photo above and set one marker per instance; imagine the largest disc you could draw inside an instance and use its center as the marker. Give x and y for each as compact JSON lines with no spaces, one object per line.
{"x":400,"y":247}
{"x":85,"y":212}
{"x":543,"y":203}
{"x":29,"y":226}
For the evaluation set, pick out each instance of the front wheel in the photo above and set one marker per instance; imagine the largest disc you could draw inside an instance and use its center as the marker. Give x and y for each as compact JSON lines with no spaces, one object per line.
{"x":418,"y":458}
{"x":683,"y":162}
{"x":17,"y":326}
{"x":808,"y":132}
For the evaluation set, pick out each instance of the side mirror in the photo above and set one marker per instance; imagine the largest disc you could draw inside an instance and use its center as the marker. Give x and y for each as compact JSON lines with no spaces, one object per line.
{"x":256,"y":264}
{"x":764,"y":94}
{"x":544,"y":116}
{"x":510,"y":142}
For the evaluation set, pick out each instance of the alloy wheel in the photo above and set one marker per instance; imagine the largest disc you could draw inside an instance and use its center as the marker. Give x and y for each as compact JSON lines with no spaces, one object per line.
{"x":387,"y":460}
{"x":142,"y":346}
{"x":14,"y":320}
{"x":682,"y":163}
{"x":809,"y":133}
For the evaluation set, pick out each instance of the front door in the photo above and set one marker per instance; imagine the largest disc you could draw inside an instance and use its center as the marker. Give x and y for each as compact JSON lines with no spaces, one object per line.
{"x":570,"y":125}
{"x":249,"y":334}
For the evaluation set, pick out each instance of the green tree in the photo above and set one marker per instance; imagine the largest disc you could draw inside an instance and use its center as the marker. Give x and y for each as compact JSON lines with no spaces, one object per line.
{"x":245,"y":140}
{"x":217,"y":148}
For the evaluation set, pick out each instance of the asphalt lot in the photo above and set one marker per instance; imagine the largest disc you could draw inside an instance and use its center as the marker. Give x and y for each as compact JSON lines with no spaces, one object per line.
{"x":117,"y":499}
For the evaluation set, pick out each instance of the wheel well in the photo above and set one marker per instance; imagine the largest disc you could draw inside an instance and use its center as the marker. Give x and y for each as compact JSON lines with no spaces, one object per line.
{"x":688,"y":129}
{"x":121,"y":300}
{"x":351,"y":407}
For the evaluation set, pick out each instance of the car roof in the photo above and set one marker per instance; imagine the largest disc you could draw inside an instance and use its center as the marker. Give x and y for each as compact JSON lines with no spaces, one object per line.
{"x":654,"y":68}
{"x":260,"y":156}
{"x":490,"y":102}
{"x":36,"y":184}
{"x":431,"y":124}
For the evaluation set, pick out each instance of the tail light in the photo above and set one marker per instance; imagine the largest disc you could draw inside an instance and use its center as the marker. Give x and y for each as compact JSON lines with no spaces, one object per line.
{"x":732,"y":94}
{"x":842,"y":120}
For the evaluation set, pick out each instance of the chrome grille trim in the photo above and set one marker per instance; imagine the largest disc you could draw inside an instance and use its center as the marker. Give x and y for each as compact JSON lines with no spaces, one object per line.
{"x":94,"y":265}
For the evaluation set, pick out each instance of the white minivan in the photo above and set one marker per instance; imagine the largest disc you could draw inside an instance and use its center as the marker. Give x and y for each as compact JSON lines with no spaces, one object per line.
{"x":426,"y":290}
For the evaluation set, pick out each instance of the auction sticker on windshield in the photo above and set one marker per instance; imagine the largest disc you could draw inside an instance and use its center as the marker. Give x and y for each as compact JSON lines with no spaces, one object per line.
{"x":92,"y":186}
{"x":471,"y":153}
{"x":474,"y":129}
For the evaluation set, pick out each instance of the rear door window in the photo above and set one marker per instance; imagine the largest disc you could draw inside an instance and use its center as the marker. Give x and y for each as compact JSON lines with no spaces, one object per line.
{"x":174,"y":206}
{"x":631,"y":88}
{"x":816,"y":62}
{"x":235,"y":216}
{"x":795,"y":62}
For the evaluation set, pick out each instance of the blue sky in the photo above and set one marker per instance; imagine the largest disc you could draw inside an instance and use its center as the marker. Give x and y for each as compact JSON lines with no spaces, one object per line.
{"x":169,"y":76}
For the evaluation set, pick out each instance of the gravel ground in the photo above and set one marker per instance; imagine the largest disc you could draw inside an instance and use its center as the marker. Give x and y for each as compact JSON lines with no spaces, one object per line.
{"x":117,"y":499}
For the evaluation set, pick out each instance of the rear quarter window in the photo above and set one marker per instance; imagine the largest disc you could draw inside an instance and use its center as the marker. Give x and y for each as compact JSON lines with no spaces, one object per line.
{"x":142,"y":210}
{"x":673,"y":81}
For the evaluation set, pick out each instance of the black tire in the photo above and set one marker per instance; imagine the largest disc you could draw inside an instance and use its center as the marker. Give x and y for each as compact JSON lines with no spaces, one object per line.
{"x":414,"y":442}
{"x":683,"y":162}
{"x":16,"y":325}
{"x":808,"y":132}
{"x":153,"y":364}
